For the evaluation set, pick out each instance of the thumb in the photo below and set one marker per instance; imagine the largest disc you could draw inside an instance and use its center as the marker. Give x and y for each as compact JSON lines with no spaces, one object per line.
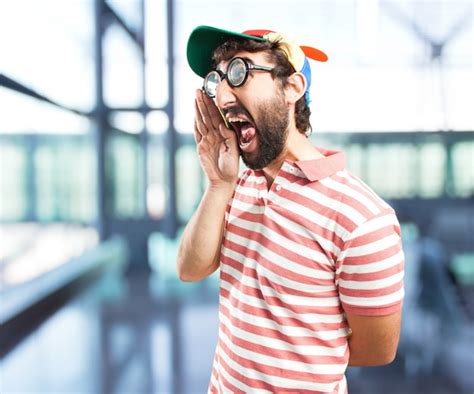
{"x":228,"y":135}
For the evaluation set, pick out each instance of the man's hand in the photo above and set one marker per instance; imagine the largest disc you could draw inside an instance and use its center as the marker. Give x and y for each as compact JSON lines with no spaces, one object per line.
{"x":199,"y":250}
{"x":216,"y":144}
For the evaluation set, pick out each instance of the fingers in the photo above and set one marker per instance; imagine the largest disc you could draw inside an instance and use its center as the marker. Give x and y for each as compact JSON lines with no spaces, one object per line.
{"x":206,"y":107}
{"x":228,"y":135}
{"x":209,"y":114}
{"x":226,"y":132}
{"x":199,"y":125}
{"x":212,"y":111}
{"x":197,"y":134}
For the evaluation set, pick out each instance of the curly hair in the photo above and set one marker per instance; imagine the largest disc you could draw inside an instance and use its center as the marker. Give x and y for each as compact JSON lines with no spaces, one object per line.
{"x":282,"y":70}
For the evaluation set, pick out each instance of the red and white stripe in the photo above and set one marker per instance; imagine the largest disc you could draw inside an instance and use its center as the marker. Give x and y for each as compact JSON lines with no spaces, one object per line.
{"x":293,"y":260}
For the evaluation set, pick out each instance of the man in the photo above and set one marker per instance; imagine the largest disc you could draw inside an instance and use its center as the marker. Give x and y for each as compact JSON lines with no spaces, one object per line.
{"x":310,"y":259}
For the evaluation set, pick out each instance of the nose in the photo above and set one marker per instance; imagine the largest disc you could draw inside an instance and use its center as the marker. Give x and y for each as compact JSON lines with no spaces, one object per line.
{"x":225,"y":96}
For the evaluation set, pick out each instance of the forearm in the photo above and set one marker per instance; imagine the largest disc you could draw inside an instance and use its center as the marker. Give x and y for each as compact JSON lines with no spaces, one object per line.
{"x":198,"y":254}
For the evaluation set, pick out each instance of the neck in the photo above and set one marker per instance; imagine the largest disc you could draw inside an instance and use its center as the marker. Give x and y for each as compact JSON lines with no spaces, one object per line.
{"x":297,"y":147}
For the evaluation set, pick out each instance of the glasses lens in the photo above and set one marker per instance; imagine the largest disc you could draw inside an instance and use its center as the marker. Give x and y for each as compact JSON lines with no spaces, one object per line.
{"x":237,"y":72}
{"x":210,"y":83}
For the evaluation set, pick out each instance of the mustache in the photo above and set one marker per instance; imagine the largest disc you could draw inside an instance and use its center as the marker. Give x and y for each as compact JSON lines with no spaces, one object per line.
{"x":236,"y":110}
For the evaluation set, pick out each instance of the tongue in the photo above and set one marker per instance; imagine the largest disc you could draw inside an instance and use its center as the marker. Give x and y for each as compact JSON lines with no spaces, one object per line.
{"x":247,"y":132}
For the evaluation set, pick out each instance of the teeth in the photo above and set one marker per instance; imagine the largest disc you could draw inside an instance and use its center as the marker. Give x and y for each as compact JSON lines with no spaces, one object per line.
{"x":234,"y":120}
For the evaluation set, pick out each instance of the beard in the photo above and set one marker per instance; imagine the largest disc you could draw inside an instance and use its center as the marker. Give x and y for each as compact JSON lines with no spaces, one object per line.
{"x":271,"y":124}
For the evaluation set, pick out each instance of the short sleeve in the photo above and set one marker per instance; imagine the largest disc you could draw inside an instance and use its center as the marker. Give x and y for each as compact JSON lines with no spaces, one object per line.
{"x":370,"y":267}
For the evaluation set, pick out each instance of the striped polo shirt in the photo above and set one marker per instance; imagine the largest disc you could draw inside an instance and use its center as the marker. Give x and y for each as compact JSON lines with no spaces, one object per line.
{"x":318,"y":243}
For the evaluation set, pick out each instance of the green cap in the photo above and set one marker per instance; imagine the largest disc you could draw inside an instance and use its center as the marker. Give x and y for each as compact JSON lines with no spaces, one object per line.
{"x":202,"y":43}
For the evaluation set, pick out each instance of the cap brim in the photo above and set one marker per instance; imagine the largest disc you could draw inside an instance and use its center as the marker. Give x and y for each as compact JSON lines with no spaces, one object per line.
{"x":202,"y":43}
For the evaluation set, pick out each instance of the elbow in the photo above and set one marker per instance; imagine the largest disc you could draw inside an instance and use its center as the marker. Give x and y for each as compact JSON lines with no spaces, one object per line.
{"x":372,"y":356}
{"x":183,"y":274}
{"x":373,"y":360}
{"x":382,"y":359}
{"x":186,"y":277}
{"x":183,"y":268}
{"x":188,"y":273}
{"x":390,"y":352}
{"x":387,"y":358}
{"x":192,"y":269}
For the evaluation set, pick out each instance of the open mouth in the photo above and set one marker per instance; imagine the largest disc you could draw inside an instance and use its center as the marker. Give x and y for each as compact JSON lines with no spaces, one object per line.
{"x":244,"y":129}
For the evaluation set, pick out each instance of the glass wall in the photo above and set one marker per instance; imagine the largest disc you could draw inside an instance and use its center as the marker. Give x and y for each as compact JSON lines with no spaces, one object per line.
{"x":402,"y":68}
{"x":393,"y":65}
{"x":47,"y":170}
{"x":48,"y":46}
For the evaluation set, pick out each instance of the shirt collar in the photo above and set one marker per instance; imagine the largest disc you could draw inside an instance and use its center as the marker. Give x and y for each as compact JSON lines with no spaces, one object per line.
{"x":317,"y":169}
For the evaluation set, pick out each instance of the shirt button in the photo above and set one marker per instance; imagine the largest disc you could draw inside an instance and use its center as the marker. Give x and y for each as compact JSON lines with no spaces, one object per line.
{"x":278,"y":188}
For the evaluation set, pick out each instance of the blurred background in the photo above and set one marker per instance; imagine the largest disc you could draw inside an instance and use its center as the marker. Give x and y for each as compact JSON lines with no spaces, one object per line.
{"x":99,"y":175}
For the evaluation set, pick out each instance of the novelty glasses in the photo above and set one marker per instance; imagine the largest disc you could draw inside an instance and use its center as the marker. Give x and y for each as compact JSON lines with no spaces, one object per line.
{"x":237,"y":73}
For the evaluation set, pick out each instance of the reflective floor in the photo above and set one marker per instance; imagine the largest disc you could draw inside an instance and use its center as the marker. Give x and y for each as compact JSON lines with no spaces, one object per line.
{"x":140,"y":335}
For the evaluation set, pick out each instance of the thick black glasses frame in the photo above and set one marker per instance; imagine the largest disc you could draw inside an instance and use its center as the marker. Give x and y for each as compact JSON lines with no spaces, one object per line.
{"x":248,"y":67}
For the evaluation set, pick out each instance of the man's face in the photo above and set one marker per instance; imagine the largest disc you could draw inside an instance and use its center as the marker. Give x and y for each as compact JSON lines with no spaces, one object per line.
{"x":257,"y":111}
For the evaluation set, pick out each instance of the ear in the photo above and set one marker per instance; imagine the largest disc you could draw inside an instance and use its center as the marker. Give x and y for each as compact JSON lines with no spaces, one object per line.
{"x":295,"y":87}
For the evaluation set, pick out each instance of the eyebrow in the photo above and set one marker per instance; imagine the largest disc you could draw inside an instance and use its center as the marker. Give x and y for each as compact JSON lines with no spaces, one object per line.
{"x":247,"y":59}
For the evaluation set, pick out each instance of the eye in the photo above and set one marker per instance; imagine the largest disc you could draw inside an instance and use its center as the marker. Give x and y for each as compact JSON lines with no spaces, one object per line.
{"x":211,"y":82}
{"x":237,"y":72}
